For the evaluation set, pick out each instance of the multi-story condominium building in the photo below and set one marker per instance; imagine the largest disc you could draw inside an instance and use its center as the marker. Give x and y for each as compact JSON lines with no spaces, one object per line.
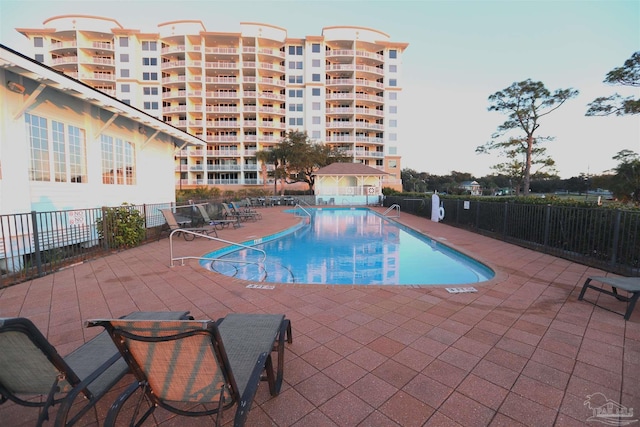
{"x":242,"y":91}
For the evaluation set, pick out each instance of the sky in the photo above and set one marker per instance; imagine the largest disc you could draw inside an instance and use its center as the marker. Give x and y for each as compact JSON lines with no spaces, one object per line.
{"x":460,"y":52}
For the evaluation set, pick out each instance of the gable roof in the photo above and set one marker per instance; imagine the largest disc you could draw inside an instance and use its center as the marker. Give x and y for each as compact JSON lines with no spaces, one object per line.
{"x":29,"y":68}
{"x":343,"y":169}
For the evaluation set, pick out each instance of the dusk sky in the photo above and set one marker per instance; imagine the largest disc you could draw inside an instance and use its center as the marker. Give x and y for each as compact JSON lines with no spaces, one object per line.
{"x":460,"y":52}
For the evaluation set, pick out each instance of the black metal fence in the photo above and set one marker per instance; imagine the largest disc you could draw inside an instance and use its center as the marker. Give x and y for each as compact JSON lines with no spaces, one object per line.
{"x":600,"y":237}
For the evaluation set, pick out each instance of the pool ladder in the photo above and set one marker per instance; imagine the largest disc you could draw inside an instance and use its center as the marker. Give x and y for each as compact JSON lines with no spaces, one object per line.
{"x":395,"y":207}
{"x":259,"y":264}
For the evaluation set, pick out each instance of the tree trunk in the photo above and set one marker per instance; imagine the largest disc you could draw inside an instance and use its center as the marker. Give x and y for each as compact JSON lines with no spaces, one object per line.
{"x":527,"y":167}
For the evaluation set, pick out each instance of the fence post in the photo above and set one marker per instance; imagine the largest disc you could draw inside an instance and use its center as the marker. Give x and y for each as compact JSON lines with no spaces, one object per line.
{"x":36,"y":243}
{"x":547,"y":224}
{"x":477,"y":215}
{"x":616,"y":238}
{"x":106,"y":230}
{"x":504,"y":222}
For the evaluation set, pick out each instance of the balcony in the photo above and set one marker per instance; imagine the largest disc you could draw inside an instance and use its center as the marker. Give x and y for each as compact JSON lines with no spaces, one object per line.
{"x":173,"y":49}
{"x":221,"y":65}
{"x":64,"y":60}
{"x":73,"y":44}
{"x":173,"y":64}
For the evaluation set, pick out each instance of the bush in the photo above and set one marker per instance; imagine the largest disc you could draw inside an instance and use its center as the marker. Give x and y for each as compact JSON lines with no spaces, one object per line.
{"x":121,"y":227}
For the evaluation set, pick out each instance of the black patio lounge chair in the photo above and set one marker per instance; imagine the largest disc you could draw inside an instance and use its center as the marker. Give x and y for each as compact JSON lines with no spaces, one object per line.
{"x":189,"y":233}
{"x":217,"y":223}
{"x":30,"y":367}
{"x":181,"y":364}
{"x":629,"y":284}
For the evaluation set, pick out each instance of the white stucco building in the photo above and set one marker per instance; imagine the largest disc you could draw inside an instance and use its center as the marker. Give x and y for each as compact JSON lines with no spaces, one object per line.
{"x":65,"y":145}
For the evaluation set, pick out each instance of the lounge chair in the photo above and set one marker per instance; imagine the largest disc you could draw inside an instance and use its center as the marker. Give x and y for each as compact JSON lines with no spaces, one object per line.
{"x":173,"y":224}
{"x":30,"y":367}
{"x":217,"y":223}
{"x":629,"y":284}
{"x":230,"y":213}
{"x":246,"y":210}
{"x":181,"y":364}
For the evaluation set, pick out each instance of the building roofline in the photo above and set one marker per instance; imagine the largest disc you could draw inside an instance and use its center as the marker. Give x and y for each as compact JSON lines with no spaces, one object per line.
{"x":27,"y":67}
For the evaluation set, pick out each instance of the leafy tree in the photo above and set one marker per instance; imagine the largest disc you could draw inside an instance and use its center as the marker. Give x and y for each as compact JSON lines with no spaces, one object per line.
{"x":525,"y":103}
{"x":295,"y":159}
{"x":626,"y":181}
{"x":627,"y":75}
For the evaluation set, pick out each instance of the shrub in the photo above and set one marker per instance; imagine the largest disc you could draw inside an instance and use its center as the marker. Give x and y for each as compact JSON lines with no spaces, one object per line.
{"x":121,"y":227}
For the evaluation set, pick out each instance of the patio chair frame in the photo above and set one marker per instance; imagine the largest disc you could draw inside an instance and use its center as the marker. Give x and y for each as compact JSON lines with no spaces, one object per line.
{"x":242,"y":395}
{"x":91,"y":370}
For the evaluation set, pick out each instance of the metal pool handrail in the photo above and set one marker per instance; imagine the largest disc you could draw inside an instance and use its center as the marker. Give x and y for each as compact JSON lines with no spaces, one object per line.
{"x":303,"y":209}
{"x":393,"y":207}
{"x":259,"y":263}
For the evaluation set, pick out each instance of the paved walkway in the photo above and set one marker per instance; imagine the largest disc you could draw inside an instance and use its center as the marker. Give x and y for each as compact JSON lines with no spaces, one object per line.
{"x":520,"y":351}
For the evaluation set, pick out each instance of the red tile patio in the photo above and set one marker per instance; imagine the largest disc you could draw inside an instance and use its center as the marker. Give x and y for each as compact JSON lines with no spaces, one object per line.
{"x":521,"y":351}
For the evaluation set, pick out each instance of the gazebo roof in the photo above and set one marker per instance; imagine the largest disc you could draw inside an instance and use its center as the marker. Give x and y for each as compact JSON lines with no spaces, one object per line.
{"x":344,"y":169}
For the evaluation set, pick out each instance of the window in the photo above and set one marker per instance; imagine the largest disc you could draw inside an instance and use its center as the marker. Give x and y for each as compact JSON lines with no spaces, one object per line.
{"x":124,"y":41}
{"x":315,"y":106}
{"x":393,"y":109}
{"x":315,"y":77}
{"x":393,"y":123}
{"x":38,"y":42}
{"x":66,"y":155}
{"x":393,"y":54}
{"x":124,"y":72}
{"x":299,"y":65}
{"x":295,"y":79}
{"x":126,"y":88}
{"x":315,"y":134}
{"x":150,"y":90}
{"x":393,"y":82}
{"x":315,"y":91}
{"x":315,"y":62}
{"x":393,"y":137}
{"x":148,"y":45}
{"x":292,"y":65}
{"x":150,"y":105}
{"x":315,"y":48}
{"x":295,"y":93}
{"x":299,"y":121}
{"x":39,"y":57}
{"x":393,"y":96}
{"x":124,"y":57}
{"x":295,"y":50}
{"x":393,"y":164}
{"x":393,"y":151}
{"x":393,"y":68}
{"x":149,"y":61}
{"x":315,"y":120}
{"x":118,"y":161}
{"x":149,"y":76}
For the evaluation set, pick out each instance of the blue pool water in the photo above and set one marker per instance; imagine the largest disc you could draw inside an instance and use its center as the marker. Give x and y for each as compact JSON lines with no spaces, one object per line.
{"x":345,"y":247}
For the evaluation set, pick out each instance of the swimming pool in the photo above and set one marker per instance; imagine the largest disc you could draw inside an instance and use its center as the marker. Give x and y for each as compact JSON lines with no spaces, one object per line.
{"x":346,"y":247}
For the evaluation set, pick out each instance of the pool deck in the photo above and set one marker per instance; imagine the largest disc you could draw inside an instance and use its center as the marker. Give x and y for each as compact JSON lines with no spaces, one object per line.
{"x":522,"y":350}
